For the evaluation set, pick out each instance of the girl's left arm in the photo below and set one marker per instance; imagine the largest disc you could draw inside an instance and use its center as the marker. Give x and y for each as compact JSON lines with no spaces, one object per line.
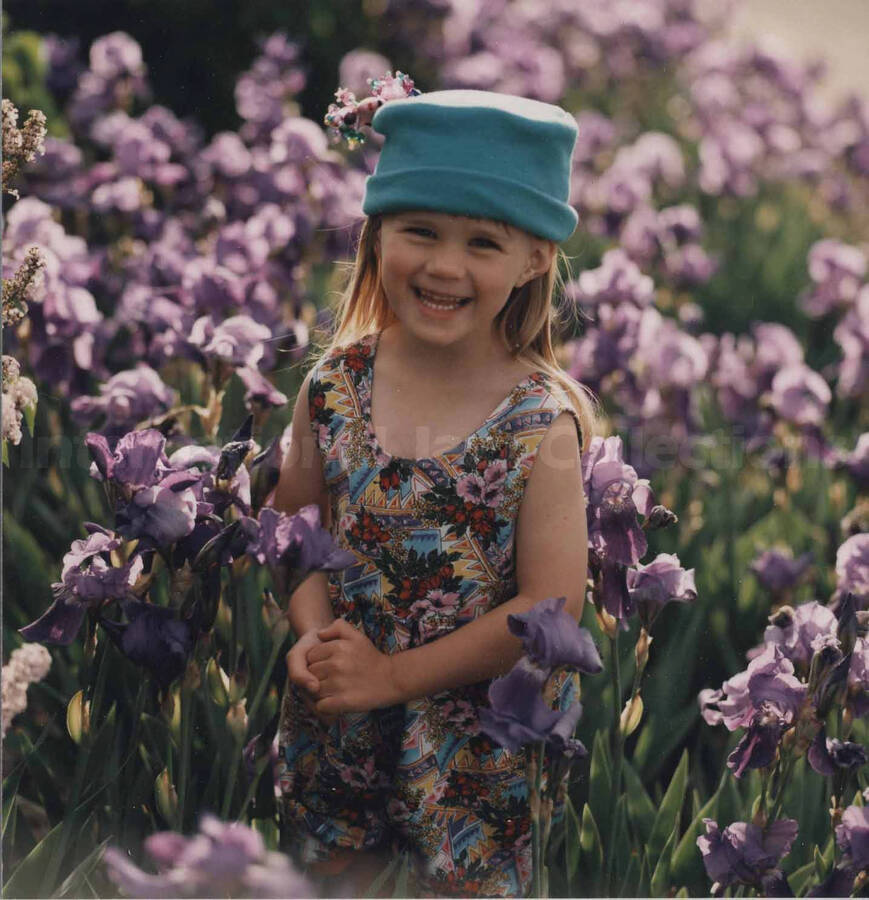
{"x":551,"y":561}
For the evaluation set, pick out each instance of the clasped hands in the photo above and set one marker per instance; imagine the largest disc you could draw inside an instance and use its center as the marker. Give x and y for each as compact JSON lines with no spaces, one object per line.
{"x":339,"y":670}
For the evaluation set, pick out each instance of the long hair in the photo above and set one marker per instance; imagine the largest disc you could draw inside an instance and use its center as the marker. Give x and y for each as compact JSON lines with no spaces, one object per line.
{"x":525,"y":324}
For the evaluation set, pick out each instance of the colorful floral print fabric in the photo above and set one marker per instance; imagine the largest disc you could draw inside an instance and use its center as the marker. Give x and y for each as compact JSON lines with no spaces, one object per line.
{"x":435,"y":546}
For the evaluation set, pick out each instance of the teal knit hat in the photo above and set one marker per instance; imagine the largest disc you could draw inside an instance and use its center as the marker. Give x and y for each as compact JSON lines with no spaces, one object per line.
{"x":476,"y":153}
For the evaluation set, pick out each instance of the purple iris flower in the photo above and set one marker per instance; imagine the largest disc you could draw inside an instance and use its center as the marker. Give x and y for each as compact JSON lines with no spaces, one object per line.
{"x":795,"y":631}
{"x":519,"y":715}
{"x":615,"y":496}
{"x":126,"y":399}
{"x":225,"y":859}
{"x":163,"y":513}
{"x":769,"y":678}
{"x":238,"y":340}
{"x":154,"y":638}
{"x":852,"y":335}
{"x":744,"y":853}
{"x":856,"y":463}
{"x":852,"y":835}
{"x":205,"y":460}
{"x":800,"y":395}
{"x":757,"y":747}
{"x":858,"y":678}
{"x":777,"y":570}
{"x":552,"y":637}
{"x":837,"y":271}
{"x":88,"y":580}
{"x":661,"y":581}
{"x":829,"y":755}
{"x":611,"y":587}
{"x":617,"y":280}
{"x":852,"y":568}
{"x":294,"y":546}
{"x":137,"y":461}
{"x":259,"y":391}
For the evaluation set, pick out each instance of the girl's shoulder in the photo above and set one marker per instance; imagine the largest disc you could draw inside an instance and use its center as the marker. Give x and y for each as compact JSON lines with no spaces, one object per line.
{"x":356,"y":355}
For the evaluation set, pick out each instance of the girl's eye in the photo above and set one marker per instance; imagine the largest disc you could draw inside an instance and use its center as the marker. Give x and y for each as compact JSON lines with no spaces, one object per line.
{"x":486,"y":243}
{"x":419,"y":230}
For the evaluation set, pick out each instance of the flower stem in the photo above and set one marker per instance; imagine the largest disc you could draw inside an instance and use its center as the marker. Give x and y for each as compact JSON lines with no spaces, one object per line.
{"x":233,"y":607}
{"x":186,"y":701}
{"x":617,"y":744}
{"x":535,"y":777}
{"x":787,"y":771}
{"x":265,"y":680}
{"x":81,"y":763}
{"x":234,"y":761}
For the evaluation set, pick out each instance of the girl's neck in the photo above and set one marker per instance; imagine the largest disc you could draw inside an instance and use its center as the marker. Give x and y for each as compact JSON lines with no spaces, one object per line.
{"x":451,"y":363}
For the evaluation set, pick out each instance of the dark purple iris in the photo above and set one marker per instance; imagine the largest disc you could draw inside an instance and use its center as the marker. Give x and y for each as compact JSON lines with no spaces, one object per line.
{"x":294,"y":546}
{"x":744,"y":853}
{"x":519,"y":714}
{"x":551,"y":637}
{"x":154,"y":638}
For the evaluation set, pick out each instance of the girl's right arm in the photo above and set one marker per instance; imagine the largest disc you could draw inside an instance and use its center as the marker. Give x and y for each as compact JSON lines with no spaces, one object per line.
{"x":301,"y":483}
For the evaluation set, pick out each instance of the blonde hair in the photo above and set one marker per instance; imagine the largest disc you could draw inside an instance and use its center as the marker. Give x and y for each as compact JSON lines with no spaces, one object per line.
{"x":525,"y":324}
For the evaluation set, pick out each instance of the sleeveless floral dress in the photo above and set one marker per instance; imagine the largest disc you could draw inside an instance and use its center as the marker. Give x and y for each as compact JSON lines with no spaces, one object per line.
{"x":435,"y":546}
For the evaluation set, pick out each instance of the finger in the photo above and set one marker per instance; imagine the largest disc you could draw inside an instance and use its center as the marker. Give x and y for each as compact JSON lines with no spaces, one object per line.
{"x":320,"y":671}
{"x":318,"y":653}
{"x":299,"y":674}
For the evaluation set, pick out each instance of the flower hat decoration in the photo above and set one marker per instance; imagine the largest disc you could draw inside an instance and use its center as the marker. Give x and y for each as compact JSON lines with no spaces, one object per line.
{"x":348,"y":116}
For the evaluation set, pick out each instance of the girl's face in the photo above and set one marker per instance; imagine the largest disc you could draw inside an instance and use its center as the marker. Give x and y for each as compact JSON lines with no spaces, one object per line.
{"x":447,"y":277}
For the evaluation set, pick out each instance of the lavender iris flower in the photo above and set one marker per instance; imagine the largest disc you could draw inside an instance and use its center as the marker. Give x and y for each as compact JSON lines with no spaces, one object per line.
{"x":294,"y":546}
{"x":661,"y":581}
{"x":551,"y":637}
{"x":617,"y":280}
{"x":744,"y":853}
{"x":223,"y":860}
{"x":856,"y":463}
{"x":259,"y":391}
{"x":615,"y":496}
{"x":769,"y":678}
{"x":519,"y":715}
{"x":795,"y":631}
{"x":852,"y":568}
{"x":800,"y":395}
{"x":137,"y":461}
{"x":238,"y":340}
{"x":163,"y":513}
{"x":88,"y":580}
{"x":155,"y":639}
{"x":837,"y":271}
{"x":852,"y":335}
{"x":858,"y":678}
{"x":852,"y":835}
{"x":777,"y":570}
{"x":126,"y":399}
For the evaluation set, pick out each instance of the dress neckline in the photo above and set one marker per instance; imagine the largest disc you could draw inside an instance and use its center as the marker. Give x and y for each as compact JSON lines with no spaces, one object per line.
{"x":368,"y":384}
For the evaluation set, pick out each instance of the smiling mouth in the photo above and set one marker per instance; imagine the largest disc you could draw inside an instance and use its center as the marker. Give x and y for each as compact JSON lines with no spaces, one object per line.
{"x":440,"y":301}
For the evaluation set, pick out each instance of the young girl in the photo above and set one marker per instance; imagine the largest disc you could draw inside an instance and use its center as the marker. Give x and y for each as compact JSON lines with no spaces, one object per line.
{"x":442,"y":443}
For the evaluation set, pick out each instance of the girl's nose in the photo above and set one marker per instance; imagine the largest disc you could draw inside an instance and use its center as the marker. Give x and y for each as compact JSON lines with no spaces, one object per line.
{"x":445,"y":261}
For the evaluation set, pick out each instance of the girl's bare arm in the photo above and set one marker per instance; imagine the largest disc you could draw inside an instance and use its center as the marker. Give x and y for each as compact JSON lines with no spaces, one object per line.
{"x":301,"y":483}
